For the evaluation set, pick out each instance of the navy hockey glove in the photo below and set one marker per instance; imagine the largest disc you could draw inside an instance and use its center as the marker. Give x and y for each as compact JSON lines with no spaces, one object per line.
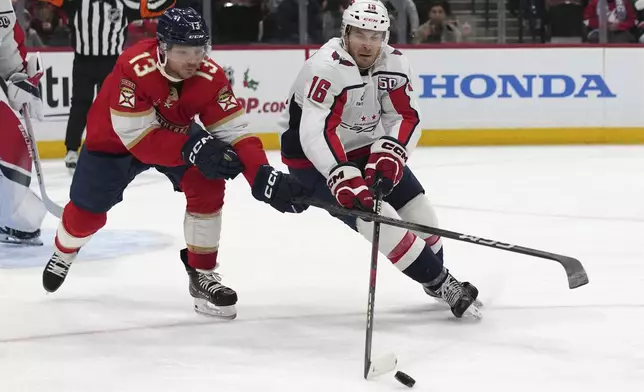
{"x":278,"y":189}
{"x":349,"y":188}
{"x":213,"y":157}
{"x":385,"y":165}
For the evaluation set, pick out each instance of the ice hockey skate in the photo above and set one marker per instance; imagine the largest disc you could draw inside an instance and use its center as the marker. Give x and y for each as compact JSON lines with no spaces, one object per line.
{"x":57,"y":269}
{"x":211,"y":298}
{"x":17,"y":237}
{"x":461,"y":297}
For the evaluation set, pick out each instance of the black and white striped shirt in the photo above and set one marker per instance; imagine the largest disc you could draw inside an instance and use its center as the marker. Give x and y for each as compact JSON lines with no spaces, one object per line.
{"x":99,"y":27}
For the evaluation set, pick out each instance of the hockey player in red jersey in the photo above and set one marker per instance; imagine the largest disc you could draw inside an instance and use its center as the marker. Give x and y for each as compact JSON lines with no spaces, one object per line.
{"x":350,"y":128}
{"x":143,"y":117}
{"x":21,"y":211}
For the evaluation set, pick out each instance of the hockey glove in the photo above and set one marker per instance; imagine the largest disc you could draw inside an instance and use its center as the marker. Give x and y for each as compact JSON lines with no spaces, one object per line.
{"x":385,"y":166}
{"x":278,"y":189}
{"x":21,"y":90}
{"x":213,"y":157}
{"x":349,"y":188}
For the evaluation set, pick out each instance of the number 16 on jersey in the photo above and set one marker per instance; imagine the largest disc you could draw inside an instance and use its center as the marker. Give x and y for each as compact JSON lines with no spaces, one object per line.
{"x":318,"y":89}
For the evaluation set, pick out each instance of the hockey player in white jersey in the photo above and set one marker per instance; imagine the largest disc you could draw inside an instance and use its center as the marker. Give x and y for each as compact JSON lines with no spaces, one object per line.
{"x":351,"y":124}
{"x":21,"y":211}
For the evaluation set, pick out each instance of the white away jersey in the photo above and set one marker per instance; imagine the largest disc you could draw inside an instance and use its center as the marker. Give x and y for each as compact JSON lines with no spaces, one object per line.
{"x":335,"y":113}
{"x":12,"y":51}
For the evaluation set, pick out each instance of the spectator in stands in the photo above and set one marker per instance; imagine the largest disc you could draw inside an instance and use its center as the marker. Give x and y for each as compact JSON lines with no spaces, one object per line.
{"x":332,"y":18}
{"x":50,"y":24}
{"x":440,"y":27}
{"x":639,"y":21}
{"x":621,"y":19}
{"x":281,"y":25}
{"x":141,"y":29}
{"x":31,"y":36}
{"x":404,"y":20}
{"x":565,"y":19}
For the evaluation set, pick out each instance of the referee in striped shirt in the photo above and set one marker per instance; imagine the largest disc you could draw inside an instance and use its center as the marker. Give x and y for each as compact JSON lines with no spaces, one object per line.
{"x":99,"y":30}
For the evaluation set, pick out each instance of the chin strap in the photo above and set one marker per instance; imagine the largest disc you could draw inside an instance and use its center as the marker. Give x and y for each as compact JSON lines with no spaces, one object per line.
{"x":161,"y":66}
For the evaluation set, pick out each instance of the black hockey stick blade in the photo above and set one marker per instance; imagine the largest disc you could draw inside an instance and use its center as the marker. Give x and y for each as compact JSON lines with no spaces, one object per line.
{"x":575,"y":271}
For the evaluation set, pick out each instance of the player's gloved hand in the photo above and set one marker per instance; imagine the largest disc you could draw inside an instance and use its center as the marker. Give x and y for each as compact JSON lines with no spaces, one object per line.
{"x":279,"y":190}
{"x":213,"y":157}
{"x":385,"y":166}
{"x":349,"y":188}
{"x":22,"y":89}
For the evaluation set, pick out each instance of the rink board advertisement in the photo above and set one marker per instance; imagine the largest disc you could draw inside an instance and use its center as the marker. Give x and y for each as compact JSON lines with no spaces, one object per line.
{"x":468,"y":96}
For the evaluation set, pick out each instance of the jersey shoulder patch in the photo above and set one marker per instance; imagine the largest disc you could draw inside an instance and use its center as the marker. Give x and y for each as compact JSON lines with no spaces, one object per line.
{"x":330,"y":65}
{"x":395,"y":63}
{"x":341,"y":60}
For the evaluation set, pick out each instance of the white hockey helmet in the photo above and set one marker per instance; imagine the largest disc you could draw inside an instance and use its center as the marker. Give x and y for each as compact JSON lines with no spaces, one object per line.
{"x":368,"y":15}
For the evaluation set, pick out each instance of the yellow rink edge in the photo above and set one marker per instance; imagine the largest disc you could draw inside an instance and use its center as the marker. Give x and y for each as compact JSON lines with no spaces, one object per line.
{"x":50,"y":149}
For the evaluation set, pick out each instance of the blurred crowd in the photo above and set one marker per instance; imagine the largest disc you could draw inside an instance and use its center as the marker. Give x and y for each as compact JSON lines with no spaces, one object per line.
{"x":413,"y":21}
{"x":624,"y":19}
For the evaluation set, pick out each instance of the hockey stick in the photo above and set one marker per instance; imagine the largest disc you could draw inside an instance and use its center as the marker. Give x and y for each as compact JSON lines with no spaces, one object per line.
{"x":574,"y":269}
{"x":28,"y":134}
{"x":387,"y":363}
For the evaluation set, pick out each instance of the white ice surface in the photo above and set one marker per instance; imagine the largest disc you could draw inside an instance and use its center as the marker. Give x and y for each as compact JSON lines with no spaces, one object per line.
{"x":123,"y":319}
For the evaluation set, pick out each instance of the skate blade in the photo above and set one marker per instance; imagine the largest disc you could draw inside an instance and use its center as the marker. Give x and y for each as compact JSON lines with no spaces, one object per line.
{"x":205,"y":308}
{"x":473,"y":312}
{"x":5,"y":239}
{"x":477,"y":302}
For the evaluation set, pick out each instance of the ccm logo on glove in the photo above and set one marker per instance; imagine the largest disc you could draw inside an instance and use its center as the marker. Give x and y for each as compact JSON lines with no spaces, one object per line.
{"x":395,"y":148}
{"x":198,"y":146}
{"x":270,"y":184}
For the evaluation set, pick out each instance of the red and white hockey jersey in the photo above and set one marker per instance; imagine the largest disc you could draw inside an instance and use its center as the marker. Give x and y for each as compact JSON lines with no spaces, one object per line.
{"x":335,"y":113}
{"x":139,"y":111}
{"x":12,"y":38}
{"x":19,"y":207}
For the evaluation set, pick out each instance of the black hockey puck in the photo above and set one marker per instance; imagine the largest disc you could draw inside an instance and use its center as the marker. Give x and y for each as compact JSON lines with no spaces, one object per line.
{"x":405,"y":379}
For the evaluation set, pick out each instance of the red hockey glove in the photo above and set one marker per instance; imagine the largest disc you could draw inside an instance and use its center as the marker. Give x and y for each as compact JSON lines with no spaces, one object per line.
{"x":385,"y":165}
{"x":349,"y":188}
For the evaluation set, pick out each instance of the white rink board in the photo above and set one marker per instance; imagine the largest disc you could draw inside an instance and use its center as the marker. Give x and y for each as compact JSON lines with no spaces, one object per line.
{"x":273,"y":71}
{"x":471,"y":88}
{"x":264,"y":101}
{"x":505,"y":88}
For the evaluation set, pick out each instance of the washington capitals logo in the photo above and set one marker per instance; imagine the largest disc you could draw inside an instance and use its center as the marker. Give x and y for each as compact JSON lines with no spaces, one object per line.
{"x":341,"y":59}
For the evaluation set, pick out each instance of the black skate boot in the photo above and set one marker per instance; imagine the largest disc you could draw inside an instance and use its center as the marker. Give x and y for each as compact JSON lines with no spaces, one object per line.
{"x":461,"y":297}
{"x":211,"y":298}
{"x":56,"y":270}
{"x":17,"y":237}
{"x":469,"y":287}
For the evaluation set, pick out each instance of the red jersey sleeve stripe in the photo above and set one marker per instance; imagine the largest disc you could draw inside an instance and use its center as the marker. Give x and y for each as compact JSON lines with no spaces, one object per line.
{"x":333,"y":119}
{"x":19,"y":37}
{"x":402,"y":104}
